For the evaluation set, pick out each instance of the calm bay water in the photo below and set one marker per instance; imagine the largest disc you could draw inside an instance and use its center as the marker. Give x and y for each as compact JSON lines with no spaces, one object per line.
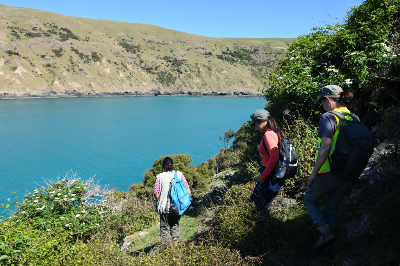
{"x":114,"y":139}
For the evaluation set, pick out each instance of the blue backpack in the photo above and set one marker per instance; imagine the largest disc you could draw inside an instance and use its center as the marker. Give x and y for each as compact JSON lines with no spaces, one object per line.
{"x":180,"y":197}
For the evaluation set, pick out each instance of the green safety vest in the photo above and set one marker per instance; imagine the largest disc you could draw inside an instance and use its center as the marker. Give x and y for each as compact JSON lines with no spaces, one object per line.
{"x":325,"y":168}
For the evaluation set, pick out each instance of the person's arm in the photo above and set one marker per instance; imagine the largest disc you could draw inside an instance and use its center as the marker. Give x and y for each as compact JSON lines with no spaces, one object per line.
{"x":322,"y":156}
{"x":157,"y":188}
{"x":271,"y":142}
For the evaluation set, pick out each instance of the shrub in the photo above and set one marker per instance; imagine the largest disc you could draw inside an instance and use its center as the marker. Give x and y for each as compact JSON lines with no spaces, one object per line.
{"x":198,"y":177}
{"x":360,"y":55}
{"x":130,"y":48}
{"x":96,"y":57}
{"x":303,"y":135}
{"x":237,"y":224}
{"x":58,"y":52}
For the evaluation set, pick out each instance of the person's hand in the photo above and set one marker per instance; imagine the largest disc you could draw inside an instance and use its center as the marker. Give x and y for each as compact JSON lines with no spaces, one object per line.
{"x":259,"y":179}
{"x":310,"y":180}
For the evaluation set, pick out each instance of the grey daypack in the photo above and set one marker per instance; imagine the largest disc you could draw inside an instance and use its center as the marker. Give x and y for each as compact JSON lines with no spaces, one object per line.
{"x":354,"y":147}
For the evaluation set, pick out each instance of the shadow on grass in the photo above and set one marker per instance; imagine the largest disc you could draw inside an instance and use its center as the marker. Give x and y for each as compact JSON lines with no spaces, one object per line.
{"x":145,"y":250}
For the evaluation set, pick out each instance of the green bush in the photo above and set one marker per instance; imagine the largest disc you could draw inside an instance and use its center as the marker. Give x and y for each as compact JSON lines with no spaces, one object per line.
{"x":199,"y":178}
{"x":58,"y":52}
{"x":303,"y":135}
{"x":96,"y":57}
{"x":360,"y":55}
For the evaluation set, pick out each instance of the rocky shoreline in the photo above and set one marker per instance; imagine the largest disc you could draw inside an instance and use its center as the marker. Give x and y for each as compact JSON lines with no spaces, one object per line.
{"x":75,"y":94}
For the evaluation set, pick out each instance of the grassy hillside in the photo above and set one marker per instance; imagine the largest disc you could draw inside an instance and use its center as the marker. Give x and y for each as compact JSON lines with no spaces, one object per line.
{"x":44,"y":53}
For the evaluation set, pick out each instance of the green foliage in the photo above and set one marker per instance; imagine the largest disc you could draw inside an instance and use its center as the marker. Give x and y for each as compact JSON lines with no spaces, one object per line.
{"x":303,"y":135}
{"x":198,"y":177}
{"x":96,"y":57}
{"x":192,"y":254}
{"x":228,"y":157}
{"x":33,"y":34}
{"x":61,"y":207}
{"x":84,"y":57}
{"x":391,"y":126}
{"x":14,"y":33}
{"x":166,"y":78}
{"x":360,"y":56}
{"x":58,"y":52}
{"x":130,"y":48}
{"x":247,"y":138}
{"x":238,"y":225}
{"x":174,"y":61}
{"x":55,"y":225}
{"x":67,"y":35}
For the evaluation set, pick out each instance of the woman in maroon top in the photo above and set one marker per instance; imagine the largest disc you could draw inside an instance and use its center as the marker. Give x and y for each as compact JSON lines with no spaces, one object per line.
{"x":268,"y":184}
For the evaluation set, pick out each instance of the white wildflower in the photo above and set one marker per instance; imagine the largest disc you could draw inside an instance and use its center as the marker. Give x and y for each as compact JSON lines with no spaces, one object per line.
{"x":291,"y":58}
{"x":97,"y":224}
{"x":65,"y":196}
{"x":353,"y":53}
{"x":23,"y":212}
{"x":48,"y":230}
{"x":77,"y":215}
{"x":73,"y":194}
{"x":35,"y":201}
{"x":59,"y":194}
{"x":387,"y":48}
{"x":72,"y":199}
{"x":36,"y":191}
{"x":66,"y":225}
{"x":52,"y":192}
{"x":83,"y":211}
{"x":333,"y":70}
{"x":348,"y":81}
{"x":56,"y":198}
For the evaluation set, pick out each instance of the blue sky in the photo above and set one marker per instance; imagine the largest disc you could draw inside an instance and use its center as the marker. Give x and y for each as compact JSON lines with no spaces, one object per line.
{"x":212,"y":18}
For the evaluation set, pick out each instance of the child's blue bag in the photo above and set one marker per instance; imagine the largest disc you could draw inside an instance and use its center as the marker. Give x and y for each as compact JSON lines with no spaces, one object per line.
{"x":179,"y":195}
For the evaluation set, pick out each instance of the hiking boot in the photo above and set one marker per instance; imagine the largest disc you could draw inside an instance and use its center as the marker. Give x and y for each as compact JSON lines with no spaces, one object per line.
{"x":327,"y":237}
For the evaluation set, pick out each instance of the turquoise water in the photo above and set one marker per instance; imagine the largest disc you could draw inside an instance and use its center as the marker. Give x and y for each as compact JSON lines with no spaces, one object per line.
{"x":114,"y":139}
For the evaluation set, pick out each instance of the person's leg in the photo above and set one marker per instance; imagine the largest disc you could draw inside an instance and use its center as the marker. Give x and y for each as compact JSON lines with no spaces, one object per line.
{"x":274,"y":185}
{"x":332,"y":202}
{"x":165,"y":229}
{"x":173,"y":221}
{"x":323,"y":185}
{"x":258,"y":193}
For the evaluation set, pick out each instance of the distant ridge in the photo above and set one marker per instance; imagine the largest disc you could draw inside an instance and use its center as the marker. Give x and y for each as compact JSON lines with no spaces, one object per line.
{"x":44,"y":54}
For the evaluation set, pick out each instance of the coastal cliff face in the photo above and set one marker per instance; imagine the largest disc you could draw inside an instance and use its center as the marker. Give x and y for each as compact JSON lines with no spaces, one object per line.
{"x":48,"y":54}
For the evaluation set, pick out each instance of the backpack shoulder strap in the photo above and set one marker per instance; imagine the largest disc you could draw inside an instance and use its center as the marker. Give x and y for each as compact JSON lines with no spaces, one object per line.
{"x":265,"y":146}
{"x":341,"y":116}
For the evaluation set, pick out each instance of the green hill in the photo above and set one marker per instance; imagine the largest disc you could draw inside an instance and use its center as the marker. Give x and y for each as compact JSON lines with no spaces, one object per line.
{"x":48,"y":54}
